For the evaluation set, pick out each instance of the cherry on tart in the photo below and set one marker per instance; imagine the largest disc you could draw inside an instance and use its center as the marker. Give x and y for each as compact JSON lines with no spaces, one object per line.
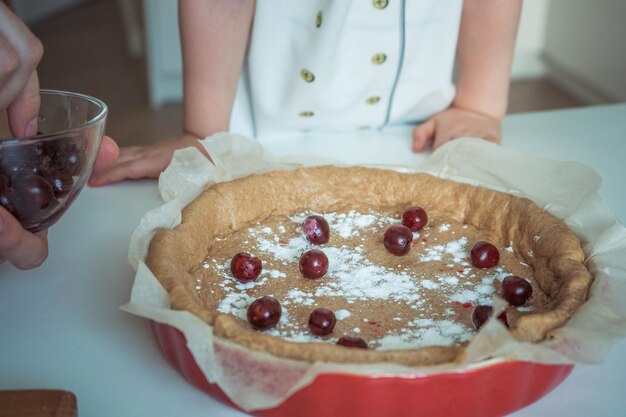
{"x":352,"y":342}
{"x":397,"y":239}
{"x":484,"y":255}
{"x":322,"y":321}
{"x":482,"y":313}
{"x":516,"y":290}
{"x":316,"y":229}
{"x":415,"y":218}
{"x":264,"y":313}
{"x":313,"y":264}
{"x":245,"y":267}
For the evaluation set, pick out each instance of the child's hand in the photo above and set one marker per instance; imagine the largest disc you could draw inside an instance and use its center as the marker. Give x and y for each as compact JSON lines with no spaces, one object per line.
{"x":453,"y":123}
{"x":137,"y":162}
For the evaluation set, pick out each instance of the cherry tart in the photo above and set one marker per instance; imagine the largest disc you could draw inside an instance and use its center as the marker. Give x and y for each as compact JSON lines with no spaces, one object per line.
{"x":359,"y":265}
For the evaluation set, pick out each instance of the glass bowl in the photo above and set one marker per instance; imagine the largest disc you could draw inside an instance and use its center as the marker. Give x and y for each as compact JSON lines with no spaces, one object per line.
{"x":40,"y":176}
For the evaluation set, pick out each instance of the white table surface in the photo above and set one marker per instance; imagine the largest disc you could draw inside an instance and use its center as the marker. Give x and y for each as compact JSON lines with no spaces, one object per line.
{"x":61,"y":326}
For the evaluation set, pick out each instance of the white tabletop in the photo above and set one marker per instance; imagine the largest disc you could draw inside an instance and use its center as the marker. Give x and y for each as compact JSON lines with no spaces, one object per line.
{"x":61,"y":328}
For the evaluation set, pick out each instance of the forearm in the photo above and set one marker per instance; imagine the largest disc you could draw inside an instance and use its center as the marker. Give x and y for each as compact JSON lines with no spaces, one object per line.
{"x":214,"y":37}
{"x":485,"y":53}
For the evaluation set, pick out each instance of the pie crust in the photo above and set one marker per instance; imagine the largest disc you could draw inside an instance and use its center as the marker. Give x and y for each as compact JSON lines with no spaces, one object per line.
{"x":556,"y":258}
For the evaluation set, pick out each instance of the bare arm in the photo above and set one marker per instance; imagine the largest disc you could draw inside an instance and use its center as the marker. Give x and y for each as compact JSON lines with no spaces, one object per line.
{"x":484,"y":57}
{"x":485,"y":54}
{"x":214,"y":37}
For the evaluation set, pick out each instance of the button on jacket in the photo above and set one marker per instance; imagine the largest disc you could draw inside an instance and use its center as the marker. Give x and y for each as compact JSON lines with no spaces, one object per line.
{"x":329,"y":65}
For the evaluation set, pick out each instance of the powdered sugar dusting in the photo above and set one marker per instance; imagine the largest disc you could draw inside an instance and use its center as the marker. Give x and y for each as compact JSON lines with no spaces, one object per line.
{"x":300,"y":297}
{"x":455,"y":250}
{"x":426,"y":332}
{"x":235,"y":304}
{"x":359,"y":278}
{"x":356,"y":279}
{"x":342,"y":314}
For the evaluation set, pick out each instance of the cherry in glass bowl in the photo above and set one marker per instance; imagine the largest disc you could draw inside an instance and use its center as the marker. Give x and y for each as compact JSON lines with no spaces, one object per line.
{"x":40,"y":176}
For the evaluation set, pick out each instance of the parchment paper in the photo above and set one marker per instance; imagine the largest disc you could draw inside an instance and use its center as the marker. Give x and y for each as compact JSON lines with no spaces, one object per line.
{"x":567,"y":190}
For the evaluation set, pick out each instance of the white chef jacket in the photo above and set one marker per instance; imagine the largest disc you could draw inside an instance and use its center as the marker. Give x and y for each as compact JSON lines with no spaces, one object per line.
{"x":337,"y":65}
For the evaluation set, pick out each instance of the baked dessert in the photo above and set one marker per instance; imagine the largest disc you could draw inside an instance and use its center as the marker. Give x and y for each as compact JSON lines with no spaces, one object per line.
{"x":254,"y":259}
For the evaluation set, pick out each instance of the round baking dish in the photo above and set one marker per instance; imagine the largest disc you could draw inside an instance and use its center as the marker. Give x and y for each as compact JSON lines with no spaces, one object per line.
{"x":494,"y":388}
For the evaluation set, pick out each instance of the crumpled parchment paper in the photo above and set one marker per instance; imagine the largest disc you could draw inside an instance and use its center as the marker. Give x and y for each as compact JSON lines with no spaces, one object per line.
{"x":567,"y":190}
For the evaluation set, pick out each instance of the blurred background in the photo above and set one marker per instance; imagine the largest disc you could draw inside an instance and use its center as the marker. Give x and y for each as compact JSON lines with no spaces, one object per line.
{"x":569,"y":53}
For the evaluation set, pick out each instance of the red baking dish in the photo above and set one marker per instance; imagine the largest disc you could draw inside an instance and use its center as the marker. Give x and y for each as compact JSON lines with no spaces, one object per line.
{"x":494,"y":389}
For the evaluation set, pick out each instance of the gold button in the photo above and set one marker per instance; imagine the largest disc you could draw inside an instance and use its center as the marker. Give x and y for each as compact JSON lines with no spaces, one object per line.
{"x":372,"y":100}
{"x":318,"y":19}
{"x":307,"y":75}
{"x":380,"y":4}
{"x":378,"y":59}
{"x":306,"y":114}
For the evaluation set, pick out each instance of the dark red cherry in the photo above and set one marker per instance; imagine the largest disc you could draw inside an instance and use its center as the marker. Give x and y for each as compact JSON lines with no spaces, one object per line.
{"x":72,"y":163}
{"x":66,"y":154}
{"x":482,"y":313}
{"x":13,"y":162}
{"x":264,"y":313}
{"x":313,"y":264}
{"x":352,"y":342}
{"x":415,"y":218}
{"x":485,"y":255}
{"x":316,"y":230}
{"x":42,"y":166}
{"x":322,"y":321}
{"x":6,"y":197}
{"x":61,"y":182}
{"x":32,"y":192}
{"x":245,"y":267}
{"x":5,"y":182}
{"x":516,"y":290}
{"x":52,"y":148}
{"x":397,"y":239}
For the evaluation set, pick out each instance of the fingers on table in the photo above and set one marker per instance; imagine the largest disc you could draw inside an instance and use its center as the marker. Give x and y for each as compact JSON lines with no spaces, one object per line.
{"x":422,"y":134}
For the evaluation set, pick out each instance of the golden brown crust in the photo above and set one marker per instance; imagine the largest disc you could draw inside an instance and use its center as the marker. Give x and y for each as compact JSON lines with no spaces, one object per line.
{"x":223,"y":208}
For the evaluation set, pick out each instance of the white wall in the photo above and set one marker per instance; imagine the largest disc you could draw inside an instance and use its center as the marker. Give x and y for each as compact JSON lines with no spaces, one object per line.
{"x":531,"y":36}
{"x":163,"y":51}
{"x":585,"y":48}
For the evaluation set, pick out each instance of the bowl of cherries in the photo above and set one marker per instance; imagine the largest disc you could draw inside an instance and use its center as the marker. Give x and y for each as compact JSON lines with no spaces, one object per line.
{"x":40,"y":176}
